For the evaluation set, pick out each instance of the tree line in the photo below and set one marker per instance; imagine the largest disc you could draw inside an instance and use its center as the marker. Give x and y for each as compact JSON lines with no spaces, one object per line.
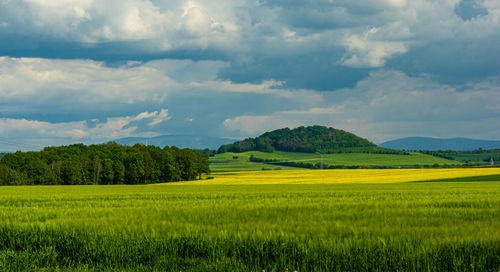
{"x":484,"y":155}
{"x":438,"y":154}
{"x":109,"y":163}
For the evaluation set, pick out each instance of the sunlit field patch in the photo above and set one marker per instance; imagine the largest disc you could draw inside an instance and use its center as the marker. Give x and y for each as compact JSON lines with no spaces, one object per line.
{"x":377,"y":176}
{"x":229,"y":162}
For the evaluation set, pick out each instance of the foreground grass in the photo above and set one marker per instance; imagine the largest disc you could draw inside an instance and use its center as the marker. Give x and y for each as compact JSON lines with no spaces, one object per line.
{"x":424,"y":226}
{"x":240,"y":161}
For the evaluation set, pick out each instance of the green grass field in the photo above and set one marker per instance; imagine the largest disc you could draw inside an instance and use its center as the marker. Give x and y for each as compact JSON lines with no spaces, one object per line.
{"x":473,"y":157}
{"x":230,"y":161}
{"x":424,"y":226}
{"x":226,"y":162}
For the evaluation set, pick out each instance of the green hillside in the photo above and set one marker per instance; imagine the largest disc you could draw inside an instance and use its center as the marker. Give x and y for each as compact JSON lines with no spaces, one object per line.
{"x":240,"y":162}
{"x":311,"y":139}
{"x":231,"y":161}
{"x":475,"y":157}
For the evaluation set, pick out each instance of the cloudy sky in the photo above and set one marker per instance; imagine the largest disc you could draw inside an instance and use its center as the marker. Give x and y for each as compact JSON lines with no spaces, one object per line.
{"x":93,"y":70}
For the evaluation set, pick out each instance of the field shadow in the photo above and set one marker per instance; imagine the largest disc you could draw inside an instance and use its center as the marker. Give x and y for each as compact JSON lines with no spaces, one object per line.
{"x":464,"y":179}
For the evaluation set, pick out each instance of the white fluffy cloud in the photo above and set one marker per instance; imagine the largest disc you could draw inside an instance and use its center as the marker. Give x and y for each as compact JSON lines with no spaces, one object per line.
{"x":364,"y":52}
{"x":33,"y":134}
{"x":85,"y":81}
{"x":164,"y":25}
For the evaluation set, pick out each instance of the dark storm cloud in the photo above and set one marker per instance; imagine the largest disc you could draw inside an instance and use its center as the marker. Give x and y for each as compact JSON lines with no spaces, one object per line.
{"x":312,"y":44}
{"x":470,"y":9}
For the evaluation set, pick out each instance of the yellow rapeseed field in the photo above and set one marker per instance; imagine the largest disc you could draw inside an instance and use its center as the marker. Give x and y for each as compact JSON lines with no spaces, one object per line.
{"x":342,"y":176}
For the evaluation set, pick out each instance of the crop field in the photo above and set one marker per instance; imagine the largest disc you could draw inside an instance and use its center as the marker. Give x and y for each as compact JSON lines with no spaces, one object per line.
{"x":449,"y":224}
{"x":338,"y":176}
{"x":240,"y":161}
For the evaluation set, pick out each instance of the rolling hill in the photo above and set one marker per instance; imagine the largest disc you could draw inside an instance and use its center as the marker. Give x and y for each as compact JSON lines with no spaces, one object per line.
{"x":427,"y":143}
{"x":313,"y":139}
{"x":315,"y":147}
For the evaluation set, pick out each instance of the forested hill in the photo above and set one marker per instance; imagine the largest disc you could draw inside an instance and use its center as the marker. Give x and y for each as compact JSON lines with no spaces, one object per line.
{"x":102,"y":164}
{"x":307,"y":139}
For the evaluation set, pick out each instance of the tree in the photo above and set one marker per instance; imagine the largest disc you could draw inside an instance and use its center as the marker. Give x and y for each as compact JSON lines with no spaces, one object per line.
{"x":9,"y":176}
{"x":118,"y":172}
{"x":108,"y":173}
{"x":134,"y":168}
{"x":71,"y":173}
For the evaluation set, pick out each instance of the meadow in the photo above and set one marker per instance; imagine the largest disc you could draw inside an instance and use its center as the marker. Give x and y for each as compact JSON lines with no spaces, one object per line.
{"x":230,"y":161}
{"x":449,"y":224}
{"x":472,"y":157}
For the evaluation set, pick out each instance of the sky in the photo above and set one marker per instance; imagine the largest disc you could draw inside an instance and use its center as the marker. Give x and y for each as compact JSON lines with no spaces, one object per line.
{"x":90,"y":71}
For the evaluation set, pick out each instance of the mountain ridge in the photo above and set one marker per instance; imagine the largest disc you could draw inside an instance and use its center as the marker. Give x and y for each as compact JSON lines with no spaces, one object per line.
{"x":179,"y":140}
{"x":434,"y":144}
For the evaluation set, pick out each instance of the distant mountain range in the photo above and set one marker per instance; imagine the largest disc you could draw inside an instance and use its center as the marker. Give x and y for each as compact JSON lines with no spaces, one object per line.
{"x":182,"y":141}
{"x":427,"y":143}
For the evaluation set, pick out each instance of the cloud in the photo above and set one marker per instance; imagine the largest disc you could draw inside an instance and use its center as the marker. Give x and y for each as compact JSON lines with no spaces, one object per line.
{"x":87,"y":89}
{"x":469,"y":9}
{"x":47,"y":102}
{"x":363,"y":52}
{"x":33,"y":134}
{"x":65,"y":92}
{"x":253,"y":125}
{"x":84,"y":81}
{"x":160,"y":117}
{"x":390,"y":104}
{"x":163,"y":25}
{"x":264,"y":40}
{"x":382,"y":68}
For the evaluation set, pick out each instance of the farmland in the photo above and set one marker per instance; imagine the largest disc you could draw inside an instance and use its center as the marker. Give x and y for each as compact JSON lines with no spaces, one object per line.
{"x":342,"y":176}
{"x":341,"y":225}
{"x":476,"y":156}
{"x":230,"y":161}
